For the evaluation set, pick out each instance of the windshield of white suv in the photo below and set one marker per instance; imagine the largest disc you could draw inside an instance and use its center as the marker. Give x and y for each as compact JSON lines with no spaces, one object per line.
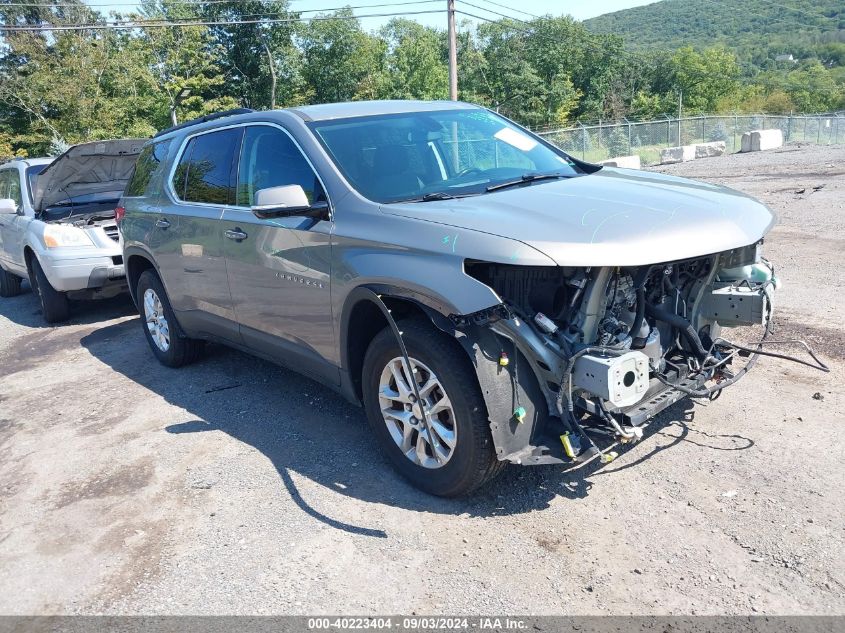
{"x":422,"y":156}
{"x":31,"y":174}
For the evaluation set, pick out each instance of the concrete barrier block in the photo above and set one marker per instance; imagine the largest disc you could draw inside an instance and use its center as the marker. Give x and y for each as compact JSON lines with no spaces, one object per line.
{"x":626,"y":162}
{"x":679,"y":154}
{"x":759,"y":140}
{"x":706,"y":150}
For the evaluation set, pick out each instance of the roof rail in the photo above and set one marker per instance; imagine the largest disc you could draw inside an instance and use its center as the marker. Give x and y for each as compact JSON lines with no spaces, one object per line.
{"x":203,"y":119}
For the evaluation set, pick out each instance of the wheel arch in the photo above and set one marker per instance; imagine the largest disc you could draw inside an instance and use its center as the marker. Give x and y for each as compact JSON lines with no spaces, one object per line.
{"x":362,"y":319}
{"x":28,"y":256}
{"x":136,"y":261}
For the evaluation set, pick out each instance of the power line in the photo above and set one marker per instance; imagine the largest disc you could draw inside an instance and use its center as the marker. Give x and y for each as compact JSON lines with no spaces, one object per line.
{"x":275,"y":13}
{"x":478,"y":17}
{"x":51,"y":5}
{"x":502,"y":6}
{"x":332,"y":9}
{"x":54,"y":5}
{"x":156,"y":24}
{"x":590,"y":44}
{"x":501,"y":15}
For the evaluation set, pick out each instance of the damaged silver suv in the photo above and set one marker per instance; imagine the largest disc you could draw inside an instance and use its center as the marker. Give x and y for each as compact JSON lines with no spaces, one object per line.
{"x":486,"y":297}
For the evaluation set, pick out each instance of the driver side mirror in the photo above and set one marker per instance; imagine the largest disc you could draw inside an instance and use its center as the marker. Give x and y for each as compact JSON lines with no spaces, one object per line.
{"x":8,"y":206}
{"x":287,"y":201}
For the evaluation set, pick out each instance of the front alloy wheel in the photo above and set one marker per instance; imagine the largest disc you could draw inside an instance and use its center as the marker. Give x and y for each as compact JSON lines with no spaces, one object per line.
{"x":410,"y":421}
{"x":459,"y":456}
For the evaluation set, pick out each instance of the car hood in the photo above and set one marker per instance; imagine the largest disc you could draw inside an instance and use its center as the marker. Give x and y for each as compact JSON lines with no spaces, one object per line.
{"x":613,"y":217}
{"x":86,"y":169}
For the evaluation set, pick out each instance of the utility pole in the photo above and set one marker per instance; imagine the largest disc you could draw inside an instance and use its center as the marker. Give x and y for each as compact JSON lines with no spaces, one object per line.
{"x":453,"y":52}
{"x":680,"y":114}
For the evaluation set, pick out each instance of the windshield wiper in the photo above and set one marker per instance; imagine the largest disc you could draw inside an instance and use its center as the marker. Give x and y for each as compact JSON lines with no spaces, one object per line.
{"x":437,"y":195}
{"x":429,"y":197}
{"x":524,"y":179}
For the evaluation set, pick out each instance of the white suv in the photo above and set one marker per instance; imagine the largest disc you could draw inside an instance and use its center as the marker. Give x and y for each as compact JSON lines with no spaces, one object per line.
{"x":57,"y":224}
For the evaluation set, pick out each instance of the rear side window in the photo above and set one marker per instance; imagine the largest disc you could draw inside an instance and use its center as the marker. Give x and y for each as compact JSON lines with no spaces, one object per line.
{"x":269,"y":158}
{"x":15,"y":188}
{"x":149,"y":170}
{"x":205,"y":172}
{"x":4,"y":183}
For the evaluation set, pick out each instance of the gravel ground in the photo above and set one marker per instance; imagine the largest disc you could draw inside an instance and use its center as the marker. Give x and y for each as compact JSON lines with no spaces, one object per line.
{"x":234,"y":486}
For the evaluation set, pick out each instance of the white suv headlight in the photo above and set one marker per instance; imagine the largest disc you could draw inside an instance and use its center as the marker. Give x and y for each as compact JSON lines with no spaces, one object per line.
{"x":57,"y":235}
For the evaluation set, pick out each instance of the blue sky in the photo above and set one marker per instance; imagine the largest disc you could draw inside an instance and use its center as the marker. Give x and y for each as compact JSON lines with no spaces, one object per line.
{"x":579,"y":10}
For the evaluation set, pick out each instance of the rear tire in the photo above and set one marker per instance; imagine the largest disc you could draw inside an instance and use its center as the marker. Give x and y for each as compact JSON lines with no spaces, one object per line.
{"x":471,"y":461}
{"x":10,"y":285}
{"x":166,"y":339}
{"x":55,"y":306}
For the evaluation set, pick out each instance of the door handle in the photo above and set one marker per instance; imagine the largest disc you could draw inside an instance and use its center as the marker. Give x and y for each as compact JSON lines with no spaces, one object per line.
{"x":236,"y":235}
{"x":162,"y":223}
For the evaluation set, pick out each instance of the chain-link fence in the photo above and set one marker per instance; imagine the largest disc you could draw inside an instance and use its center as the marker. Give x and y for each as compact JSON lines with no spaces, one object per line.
{"x":646,"y":138}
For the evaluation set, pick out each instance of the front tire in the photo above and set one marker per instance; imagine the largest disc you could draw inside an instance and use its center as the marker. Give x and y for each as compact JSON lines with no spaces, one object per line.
{"x":55,"y":306}
{"x":465,"y":457}
{"x":166,"y":339}
{"x":10,"y":285}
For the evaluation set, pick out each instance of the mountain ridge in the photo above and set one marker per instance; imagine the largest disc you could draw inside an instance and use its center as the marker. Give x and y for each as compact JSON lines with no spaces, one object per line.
{"x":740,"y":24}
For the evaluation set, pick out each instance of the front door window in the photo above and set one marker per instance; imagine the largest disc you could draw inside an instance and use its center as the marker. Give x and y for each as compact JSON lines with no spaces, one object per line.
{"x":269,"y":158}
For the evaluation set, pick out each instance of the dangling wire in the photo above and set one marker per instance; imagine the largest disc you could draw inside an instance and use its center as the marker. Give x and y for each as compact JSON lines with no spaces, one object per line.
{"x":819,"y":364}
{"x":516,"y":375}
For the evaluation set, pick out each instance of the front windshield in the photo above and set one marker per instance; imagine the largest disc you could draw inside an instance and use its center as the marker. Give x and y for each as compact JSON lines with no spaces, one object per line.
{"x":431,"y":155}
{"x":32,"y":173}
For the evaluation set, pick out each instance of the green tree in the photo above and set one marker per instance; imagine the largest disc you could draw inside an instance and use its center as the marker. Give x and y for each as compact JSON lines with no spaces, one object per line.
{"x":415,"y":64}
{"x":704,"y":77}
{"x":259,"y":59}
{"x":565,"y":54}
{"x":812,"y":88}
{"x":342,"y":62}
{"x":646,"y":105}
{"x":513,"y":85}
{"x":182,"y":60}
{"x":64,"y":85}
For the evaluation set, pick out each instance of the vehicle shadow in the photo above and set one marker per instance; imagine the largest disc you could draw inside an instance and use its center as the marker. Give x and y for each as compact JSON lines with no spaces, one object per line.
{"x":307,"y":430}
{"x":25,"y":309}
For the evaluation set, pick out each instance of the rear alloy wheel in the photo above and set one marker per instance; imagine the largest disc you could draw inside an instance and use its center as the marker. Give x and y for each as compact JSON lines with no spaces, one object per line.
{"x":458,"y":455}
{"x":55,"y":306}
{"x":159,"y":329}
{"x":167,"y":341}
{"x":10,"y":285}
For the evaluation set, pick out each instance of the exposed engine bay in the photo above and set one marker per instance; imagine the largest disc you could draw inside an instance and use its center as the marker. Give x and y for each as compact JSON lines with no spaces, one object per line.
{"x":80,"y":215}
{"x":103,"y":219}
{"x":622,"y":344}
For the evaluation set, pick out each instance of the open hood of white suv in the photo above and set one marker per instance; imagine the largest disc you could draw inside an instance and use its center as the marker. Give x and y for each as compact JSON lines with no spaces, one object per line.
{"x":89,"y":168}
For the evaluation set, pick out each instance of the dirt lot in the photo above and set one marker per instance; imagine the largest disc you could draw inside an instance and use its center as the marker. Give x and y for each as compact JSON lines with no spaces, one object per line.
{"x":234,"y":486}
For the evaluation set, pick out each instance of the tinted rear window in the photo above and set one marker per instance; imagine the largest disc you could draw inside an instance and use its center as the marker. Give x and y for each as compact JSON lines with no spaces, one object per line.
{"x":147,"y":178}
{"x":205,"y":172}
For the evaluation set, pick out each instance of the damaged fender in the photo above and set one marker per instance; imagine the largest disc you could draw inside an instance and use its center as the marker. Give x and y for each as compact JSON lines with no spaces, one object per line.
{"x":519,"y":400}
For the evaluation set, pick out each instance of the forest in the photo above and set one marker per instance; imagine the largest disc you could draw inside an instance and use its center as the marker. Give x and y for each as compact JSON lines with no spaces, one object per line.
{"x":758,"y":30}
{"x":66,"y":78}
